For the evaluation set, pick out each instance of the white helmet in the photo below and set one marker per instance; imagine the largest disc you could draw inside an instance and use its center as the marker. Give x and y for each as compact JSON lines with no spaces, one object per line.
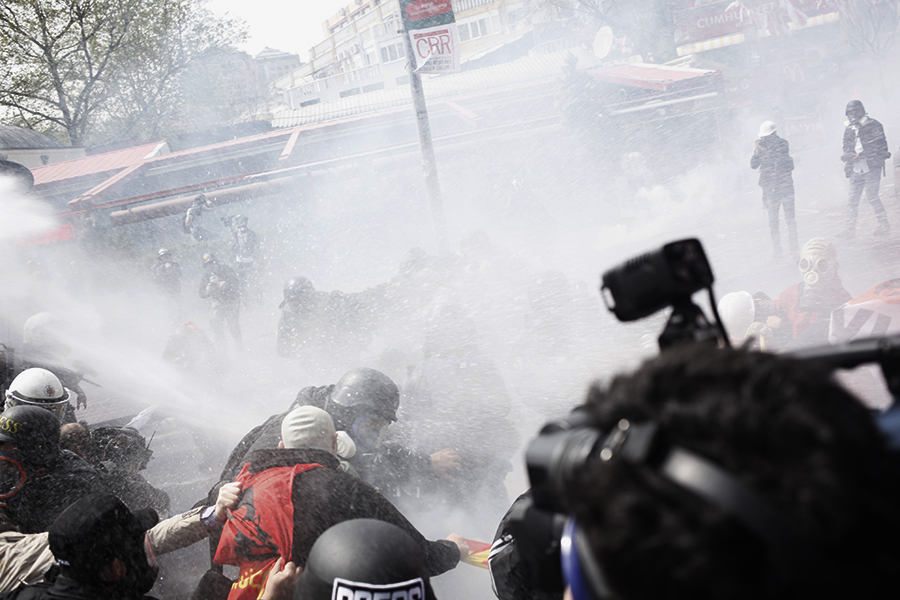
{"x":40,"y":329}
{"x":737,"y":313}
{"x":38,"y":387}
{"x":766,"y":129}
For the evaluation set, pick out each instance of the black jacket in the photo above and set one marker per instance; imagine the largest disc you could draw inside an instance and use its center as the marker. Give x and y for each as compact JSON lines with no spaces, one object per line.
{"x":874,"y":144}
{"x":773,"y":159}
{"x":63,"y":588}
{"x":325,"y":497}
{"x":50,"y":491}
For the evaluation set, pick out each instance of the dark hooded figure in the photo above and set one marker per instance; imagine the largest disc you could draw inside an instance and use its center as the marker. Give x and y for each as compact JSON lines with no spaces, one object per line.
{"x":865,"y":151}
{"x":102,"y":552}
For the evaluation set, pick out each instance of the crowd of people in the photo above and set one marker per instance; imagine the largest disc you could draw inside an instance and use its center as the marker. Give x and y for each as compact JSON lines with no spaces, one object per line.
{"x":707,"y":472}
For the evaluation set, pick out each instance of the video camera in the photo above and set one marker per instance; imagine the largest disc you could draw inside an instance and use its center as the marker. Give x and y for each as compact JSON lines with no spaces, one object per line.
{"x":666,"y":277}
{"x":633,"y":290}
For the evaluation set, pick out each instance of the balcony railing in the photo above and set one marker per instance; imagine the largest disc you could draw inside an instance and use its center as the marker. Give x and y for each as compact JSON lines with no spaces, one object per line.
{"x":336,"y":81}
{"x":461,"y":5}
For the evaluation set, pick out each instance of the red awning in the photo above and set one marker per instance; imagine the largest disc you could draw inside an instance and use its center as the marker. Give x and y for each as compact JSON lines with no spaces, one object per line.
{"x":92,"y":165}
{"x":656,"y":77}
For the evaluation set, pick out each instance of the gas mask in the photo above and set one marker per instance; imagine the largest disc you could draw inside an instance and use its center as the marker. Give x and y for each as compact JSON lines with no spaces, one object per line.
{"x":816,"y":268}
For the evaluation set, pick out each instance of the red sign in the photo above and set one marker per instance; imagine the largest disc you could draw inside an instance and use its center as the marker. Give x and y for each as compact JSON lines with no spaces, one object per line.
{"x":728,"y":17}
{"x":423,"y":9}
{"x":60,"y":234}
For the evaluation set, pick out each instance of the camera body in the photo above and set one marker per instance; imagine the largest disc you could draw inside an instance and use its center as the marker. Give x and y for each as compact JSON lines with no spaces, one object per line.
{"x":650,"y":282}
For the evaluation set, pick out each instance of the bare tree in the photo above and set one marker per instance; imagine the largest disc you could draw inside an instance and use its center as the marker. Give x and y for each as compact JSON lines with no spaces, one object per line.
{"x":870,"y":26}
{"x":99,"y":70}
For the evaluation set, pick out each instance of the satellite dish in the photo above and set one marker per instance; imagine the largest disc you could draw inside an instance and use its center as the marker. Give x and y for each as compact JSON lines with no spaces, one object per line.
{"x":603,"y":41}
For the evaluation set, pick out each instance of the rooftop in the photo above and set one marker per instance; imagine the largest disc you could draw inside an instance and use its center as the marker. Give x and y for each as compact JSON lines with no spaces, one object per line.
{"x":19,"y":138}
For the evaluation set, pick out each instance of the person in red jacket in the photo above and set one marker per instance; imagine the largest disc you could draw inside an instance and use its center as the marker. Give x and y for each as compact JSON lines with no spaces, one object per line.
{"x":802,"y":306}
{"x":294,"y":493}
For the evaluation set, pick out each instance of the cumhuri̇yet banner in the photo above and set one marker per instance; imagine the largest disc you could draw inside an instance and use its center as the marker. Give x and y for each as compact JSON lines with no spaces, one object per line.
{"x":707,"y":20}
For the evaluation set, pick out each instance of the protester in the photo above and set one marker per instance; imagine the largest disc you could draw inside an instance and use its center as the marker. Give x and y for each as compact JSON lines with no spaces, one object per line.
{"x":26,"y":558}
{"x":801,"y":312}
{"x":363,"y":403}
{"x":292,"y":495}
{"x":865,"y":152}
{"x":772,"y":156}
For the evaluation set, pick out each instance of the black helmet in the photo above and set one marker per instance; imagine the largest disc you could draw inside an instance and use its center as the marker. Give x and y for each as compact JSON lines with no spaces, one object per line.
{"x":297,"y":286}
{"x":368,"y":556}
{"x":34,"y":430}
{"x":124,"y":446}
{"x":362,"y":391}
{"x":854,"y":105}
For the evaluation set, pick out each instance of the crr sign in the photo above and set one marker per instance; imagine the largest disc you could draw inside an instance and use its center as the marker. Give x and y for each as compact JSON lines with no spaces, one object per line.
{"x":431,"y":27}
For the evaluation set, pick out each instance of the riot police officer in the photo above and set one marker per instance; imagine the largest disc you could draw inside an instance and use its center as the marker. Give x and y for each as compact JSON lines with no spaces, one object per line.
{"x":167,"y":273}
{"x":221,"y":286}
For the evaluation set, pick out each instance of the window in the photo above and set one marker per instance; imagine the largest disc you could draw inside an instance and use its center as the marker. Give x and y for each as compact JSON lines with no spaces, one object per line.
{"x":484,"y":26}
{"x":392,"y":53}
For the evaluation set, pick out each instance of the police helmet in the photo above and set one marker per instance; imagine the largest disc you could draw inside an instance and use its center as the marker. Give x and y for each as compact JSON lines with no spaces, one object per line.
{"x":854,"y":105}
{"x":365,"y":558}
{"x":297,"y":286}
{"x":364,"y":391}
{"x":164,"y":252}
{"x":41,"y":329}
{"x":34,"y":430}
{"x":41,"y":388}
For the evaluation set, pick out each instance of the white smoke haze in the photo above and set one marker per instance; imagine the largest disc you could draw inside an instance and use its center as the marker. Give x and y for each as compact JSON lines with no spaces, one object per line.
{"x":533,"y":219}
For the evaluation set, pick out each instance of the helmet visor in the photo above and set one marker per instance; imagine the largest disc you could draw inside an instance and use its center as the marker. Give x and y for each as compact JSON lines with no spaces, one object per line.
{"x":371,"y":430}
{"x":57,"y":407}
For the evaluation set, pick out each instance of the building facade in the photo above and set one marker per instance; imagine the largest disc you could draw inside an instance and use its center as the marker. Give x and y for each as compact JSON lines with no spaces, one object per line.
{"x":364,"y":50}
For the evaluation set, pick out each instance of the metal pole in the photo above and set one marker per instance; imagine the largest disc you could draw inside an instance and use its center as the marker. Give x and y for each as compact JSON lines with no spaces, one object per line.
{"x":429,"y":164}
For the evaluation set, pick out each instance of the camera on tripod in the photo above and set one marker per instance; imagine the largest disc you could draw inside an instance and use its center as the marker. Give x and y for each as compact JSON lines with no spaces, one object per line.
{"x":666,"y":277}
